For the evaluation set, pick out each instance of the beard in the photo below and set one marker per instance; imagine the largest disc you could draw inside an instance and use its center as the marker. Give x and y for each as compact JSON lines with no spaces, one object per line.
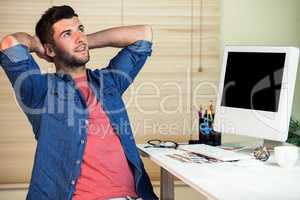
{"x":70,"y":60}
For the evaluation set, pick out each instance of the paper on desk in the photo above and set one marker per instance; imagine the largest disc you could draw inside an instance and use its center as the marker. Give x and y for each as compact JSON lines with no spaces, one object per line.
{"x":189,"y":157}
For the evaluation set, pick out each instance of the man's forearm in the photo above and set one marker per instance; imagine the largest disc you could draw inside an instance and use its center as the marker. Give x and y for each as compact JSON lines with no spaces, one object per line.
{"x":19,"y":38}
{"x":119,"y":36}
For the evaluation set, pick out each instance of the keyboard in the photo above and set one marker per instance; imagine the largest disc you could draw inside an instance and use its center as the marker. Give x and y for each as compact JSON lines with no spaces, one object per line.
{"x":214,"y":152}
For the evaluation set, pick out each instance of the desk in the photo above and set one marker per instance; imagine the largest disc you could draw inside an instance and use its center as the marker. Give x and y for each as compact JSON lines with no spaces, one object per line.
{"x":243,"y":180}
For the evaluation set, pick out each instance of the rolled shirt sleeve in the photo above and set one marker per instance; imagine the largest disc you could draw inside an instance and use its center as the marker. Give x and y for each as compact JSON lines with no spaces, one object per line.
{"x":125,"y":66}
{"x":24,"y":75}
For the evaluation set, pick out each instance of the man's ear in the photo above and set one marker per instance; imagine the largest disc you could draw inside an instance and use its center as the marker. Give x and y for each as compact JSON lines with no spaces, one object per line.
{"x":49,"y":50}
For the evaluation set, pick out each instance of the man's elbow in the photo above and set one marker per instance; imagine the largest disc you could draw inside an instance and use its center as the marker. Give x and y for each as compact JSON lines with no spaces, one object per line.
{"x":147,"y":33}
{"x":7,"y":42}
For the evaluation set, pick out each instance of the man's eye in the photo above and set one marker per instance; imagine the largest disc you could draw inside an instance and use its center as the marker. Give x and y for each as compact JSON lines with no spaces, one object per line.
{"x":67,"y":34}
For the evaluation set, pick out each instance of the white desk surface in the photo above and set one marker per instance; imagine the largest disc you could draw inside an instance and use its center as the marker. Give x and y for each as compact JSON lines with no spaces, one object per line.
{"x":243,"y":180}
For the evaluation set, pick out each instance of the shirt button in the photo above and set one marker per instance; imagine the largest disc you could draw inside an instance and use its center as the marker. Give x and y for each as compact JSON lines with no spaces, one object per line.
{"x":73,"y":182}
{"x":77,"y":162}
{"x":82,"y":141}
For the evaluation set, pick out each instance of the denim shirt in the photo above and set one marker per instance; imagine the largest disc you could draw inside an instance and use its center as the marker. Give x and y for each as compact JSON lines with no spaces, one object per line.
{"x":58,"y":114}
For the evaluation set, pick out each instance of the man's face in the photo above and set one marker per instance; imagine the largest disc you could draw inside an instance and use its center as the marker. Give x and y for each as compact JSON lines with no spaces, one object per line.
{"x":70,"y":42}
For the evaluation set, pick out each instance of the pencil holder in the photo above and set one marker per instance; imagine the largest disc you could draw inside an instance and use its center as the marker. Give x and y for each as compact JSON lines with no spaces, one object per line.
{"x":206,"y":133}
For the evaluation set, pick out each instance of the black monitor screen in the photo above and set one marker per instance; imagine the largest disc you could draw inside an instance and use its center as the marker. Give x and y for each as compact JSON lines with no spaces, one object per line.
{"x":253,"y":80}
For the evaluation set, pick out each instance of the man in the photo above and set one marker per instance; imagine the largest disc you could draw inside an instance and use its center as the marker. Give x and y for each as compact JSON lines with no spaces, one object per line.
{"x":85,"y":146}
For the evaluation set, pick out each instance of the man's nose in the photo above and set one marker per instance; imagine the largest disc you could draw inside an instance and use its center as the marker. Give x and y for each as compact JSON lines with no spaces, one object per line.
{"x":79,"y":37}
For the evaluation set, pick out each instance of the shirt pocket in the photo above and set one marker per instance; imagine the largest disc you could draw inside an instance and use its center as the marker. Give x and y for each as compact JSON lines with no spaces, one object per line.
{"x":62,"y":104}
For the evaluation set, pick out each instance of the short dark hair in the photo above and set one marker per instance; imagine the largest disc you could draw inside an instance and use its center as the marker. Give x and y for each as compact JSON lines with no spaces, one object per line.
{"x":43,"y":28}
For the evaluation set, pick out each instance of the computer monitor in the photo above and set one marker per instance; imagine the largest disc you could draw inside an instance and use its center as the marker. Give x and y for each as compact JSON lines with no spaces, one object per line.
{"x":256,"y":91}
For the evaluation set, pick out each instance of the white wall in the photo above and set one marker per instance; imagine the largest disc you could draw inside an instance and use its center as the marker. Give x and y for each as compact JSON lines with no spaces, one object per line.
{"x":262,"y":22}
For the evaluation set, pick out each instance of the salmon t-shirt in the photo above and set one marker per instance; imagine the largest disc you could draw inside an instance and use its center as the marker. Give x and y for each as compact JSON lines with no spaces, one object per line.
{"x":105,"y":172}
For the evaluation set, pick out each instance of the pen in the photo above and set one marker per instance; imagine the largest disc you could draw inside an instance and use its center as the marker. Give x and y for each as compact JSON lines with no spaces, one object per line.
{"x":200,"y":112}
{"x":209,"y":111}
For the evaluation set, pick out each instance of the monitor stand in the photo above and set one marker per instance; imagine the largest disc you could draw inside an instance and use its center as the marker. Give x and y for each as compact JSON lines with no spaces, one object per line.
{"x":249,"y":143}
{"x":270,"y":144}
